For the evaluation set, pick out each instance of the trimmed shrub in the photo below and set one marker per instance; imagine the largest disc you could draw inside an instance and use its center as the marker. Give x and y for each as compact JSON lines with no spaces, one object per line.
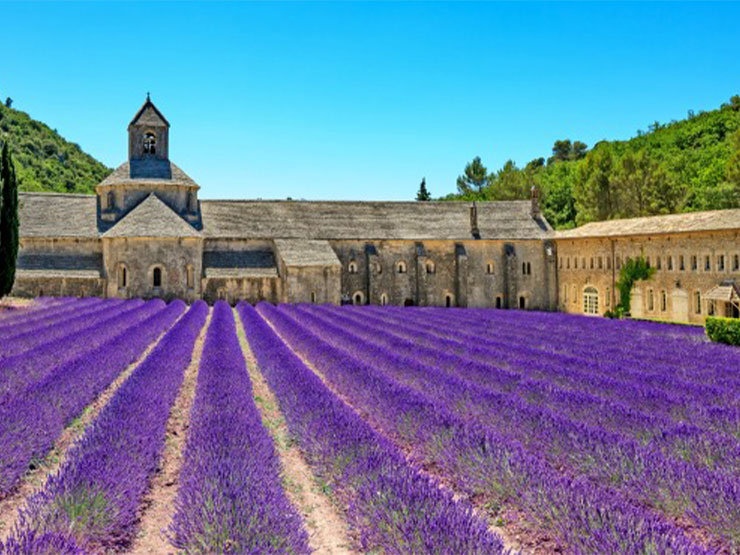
{"x":723,"y":330}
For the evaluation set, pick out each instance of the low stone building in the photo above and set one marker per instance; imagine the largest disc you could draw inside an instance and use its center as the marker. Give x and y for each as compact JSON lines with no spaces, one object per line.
{"x":147,"y":234}
{"x":696,"y":258}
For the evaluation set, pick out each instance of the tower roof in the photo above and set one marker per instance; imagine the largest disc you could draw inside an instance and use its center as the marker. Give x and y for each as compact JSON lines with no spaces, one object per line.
{"x":149,"y":114}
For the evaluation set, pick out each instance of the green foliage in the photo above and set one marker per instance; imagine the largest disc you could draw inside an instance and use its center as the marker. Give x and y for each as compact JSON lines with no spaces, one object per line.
{"x":632,"y":270}
{"x":423,"y":194}
{"x":44,"y":160}
{"x":684,"y":166}
{"x":9,"y":226}
{"x":474,"y":178}
{"x":723,"y":330}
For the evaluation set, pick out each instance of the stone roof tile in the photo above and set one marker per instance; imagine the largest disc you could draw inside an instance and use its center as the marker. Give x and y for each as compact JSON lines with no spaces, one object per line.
{"x":144,"y":172}
{"x":714,"y":220}
{"x":152,"y":218}
{"x":304,"y":252}
{"x":57,"y":215}
{"x":369,"y":220}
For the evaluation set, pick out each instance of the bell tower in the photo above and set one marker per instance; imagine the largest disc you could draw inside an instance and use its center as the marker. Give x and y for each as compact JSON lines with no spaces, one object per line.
{"x":148,"y":134}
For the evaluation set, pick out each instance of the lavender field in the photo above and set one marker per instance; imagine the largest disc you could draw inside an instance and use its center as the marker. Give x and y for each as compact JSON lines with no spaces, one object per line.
{"x":148,"y":427}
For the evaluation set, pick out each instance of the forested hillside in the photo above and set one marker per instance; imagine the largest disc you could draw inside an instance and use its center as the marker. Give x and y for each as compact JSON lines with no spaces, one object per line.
{"x":682,"y":166}
{"x":44,"y":160}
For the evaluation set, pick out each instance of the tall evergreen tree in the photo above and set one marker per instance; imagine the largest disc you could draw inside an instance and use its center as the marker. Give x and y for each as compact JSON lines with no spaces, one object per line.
{"x":8,"y":222}
{"x":474,"y":178}
{"x":423,"y":194}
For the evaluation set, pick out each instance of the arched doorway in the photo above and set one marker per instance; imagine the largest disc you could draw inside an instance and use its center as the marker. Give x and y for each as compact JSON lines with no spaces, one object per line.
{"x":408,"y":302}
{"x":157,"y":278}
{"x":358,"y":298}
{"x":590,"y":300}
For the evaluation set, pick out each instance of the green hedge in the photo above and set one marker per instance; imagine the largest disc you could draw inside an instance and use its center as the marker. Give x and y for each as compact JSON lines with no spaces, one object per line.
{"x":723,"y":330}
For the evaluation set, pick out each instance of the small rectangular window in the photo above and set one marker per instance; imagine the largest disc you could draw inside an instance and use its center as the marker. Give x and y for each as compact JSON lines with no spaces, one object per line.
{"x":647,"y":261}
{"x":707,"y":263}
{"x":601,"y":263}
{"x":659,"y":263}
{"x":619,"y":262}
{"x":681,"y":265}
{"x":694,"y":263}
{"x":663,"y":301}
{"x":608,"y":263}
{"x":651,"y":300}
{"x":670,"y":263}
{"x":721,"y":263}
{"x":735,"y":263}
{"x":592,"y":262}
{"x":697,"y":302}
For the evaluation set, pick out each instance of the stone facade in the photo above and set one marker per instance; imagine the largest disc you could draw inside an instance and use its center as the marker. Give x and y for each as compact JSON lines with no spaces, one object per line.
{"x":147,"y":234}
{"x":688,"y":265}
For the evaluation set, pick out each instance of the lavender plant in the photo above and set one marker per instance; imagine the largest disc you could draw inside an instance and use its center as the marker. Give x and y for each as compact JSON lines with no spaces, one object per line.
{"x":392,"y":507}
{"x":230,"y":499}
{"x":32,"y":420}
{"x":92,"y":501}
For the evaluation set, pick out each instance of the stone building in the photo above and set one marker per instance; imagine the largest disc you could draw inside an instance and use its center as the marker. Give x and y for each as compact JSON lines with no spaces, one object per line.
{"x":696,"y":257}
{"x":146,"y":233}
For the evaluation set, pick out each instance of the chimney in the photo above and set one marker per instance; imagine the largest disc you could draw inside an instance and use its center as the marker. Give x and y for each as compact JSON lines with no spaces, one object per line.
{"x":474,"y":231}
{"x":535,"y":202}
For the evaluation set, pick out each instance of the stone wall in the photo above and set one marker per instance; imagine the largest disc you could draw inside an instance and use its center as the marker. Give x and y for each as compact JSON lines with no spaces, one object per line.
{"x":475,"y":273}
{"x":671,"y":294}
{"x":141,"y":256}
{"x":249,"y":289}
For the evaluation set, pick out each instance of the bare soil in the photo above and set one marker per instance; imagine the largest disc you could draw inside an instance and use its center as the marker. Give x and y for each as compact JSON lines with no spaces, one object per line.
{"x":158,"y":506}
{"x":35,"y":478}
{"x":327,"y":530}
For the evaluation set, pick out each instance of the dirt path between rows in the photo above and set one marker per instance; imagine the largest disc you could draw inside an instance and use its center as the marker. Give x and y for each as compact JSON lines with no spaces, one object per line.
{"x":512,"y":541}
{"x":158,"y":505}
{"x":36,"y":478}
{"x":327,"y":530}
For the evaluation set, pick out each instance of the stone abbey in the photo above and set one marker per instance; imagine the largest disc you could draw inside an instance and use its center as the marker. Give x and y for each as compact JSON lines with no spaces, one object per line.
{"x":146,"y":233}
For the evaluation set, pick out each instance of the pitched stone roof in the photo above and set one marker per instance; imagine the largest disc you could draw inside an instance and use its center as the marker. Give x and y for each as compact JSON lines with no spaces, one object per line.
{"x":58,"y":261}
{"x":148,"y":114}
{"x":151,"y":218}
{"x":715,"y":220}
{"x":304,"y":252}
{"x":57,"y":215}
{"x":56,"y":273}
{"x":231,"y":273}
{"x":148,"y":171}
{"x":726,"y":291}
{"x":369,"y":220}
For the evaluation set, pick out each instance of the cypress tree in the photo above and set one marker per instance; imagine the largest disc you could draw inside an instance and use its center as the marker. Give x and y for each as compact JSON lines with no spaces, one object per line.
{"x":423,"y":193}
{"x":8,"y":222}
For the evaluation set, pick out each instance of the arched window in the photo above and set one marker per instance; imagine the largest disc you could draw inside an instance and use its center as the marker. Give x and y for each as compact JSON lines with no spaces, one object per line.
{"x":697,"y":302}
{"x":111,"y":201}
{"x":522,"y":302}
{"x":313,"y":296}
{"x":590,"y":300}
{"x":663,"y":301}
{"x":448,"y":300}
{"x":489,"y":268}
{"x":190,"y":273}
{"x":524,"y":268}
{"x":651,"y":300}
{"x":430,"y":268}
{"x":529,"y":269}
{"x":383,"y":299}
{"x":150,"y":143}
{"x":122,"y":276}
{"x":358,"y":298}
{"x":157,"y":277}
{"x":498,"y":302}
{"x":401,"y":267}
{"x":352,"y":268}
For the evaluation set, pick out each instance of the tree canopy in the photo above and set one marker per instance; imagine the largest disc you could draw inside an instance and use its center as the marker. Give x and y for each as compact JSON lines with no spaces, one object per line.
{"x":682,"y":166}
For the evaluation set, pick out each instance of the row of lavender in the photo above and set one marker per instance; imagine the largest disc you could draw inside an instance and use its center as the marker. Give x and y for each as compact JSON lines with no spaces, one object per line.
{"x":230,"y":498}
{"x":392,"y":506}
{"x":91,"y":503}
{"x":486,"y":443}
{"x":46,"y":391}
{"x":683,"y":470}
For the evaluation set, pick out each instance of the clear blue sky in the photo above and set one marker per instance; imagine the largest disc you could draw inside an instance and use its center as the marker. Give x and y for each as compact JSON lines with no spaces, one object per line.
{"x":361,"y":100}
